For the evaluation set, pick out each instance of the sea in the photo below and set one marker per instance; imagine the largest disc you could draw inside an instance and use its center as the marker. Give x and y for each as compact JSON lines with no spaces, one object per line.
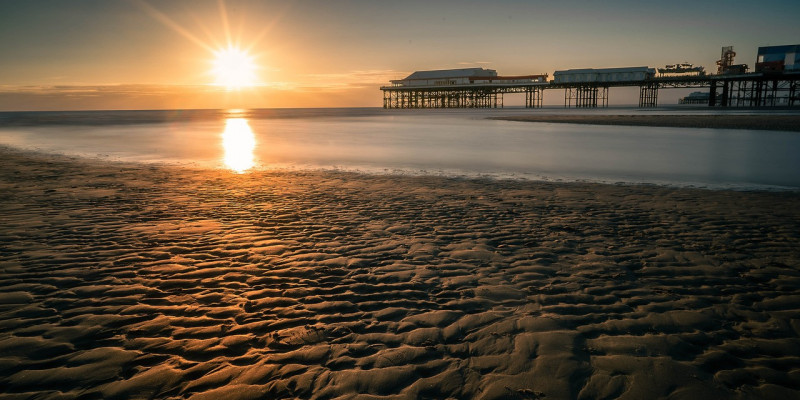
{"x":452,"y":143}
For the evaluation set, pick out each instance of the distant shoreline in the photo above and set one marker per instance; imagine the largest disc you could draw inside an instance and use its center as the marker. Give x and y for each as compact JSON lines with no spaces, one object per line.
{"x":756,"y":122}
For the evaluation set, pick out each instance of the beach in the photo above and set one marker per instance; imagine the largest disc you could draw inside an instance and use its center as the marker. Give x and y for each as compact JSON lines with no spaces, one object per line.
{"x":125,"y":280}
{"x":717,"y":121}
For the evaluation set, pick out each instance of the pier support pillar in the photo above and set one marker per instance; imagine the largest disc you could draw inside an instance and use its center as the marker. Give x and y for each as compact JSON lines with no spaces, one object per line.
{"x":533,"y":97}
{"x":449,"y":98}
{"x":712,"y":94}
{"x":648,"y":95}
{"x":759,"y":93}
{"x":724,"y":98}
{"x":586,"y":96}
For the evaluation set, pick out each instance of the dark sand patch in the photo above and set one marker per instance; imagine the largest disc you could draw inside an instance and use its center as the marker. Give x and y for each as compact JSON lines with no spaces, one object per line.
{"x":129,"y":281}
{"x":757,"y":122}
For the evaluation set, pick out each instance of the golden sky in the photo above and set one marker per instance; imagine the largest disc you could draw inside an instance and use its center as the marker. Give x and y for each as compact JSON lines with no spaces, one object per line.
{"x":137,"y":54}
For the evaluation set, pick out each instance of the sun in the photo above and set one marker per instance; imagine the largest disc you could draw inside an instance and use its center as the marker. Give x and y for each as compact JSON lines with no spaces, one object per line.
{"x":234,"y":68}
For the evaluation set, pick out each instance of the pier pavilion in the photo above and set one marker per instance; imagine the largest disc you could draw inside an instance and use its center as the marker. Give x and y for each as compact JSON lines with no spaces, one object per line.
{"x":461,"y":88}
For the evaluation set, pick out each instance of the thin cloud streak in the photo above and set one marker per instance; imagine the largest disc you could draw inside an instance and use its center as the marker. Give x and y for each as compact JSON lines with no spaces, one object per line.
{"x":146,"y":96}
{"x":474,"y":62}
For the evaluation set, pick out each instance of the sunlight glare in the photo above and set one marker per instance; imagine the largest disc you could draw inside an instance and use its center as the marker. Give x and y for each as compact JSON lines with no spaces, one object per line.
{"x":234,"y":68}
{"x":239,"y":142}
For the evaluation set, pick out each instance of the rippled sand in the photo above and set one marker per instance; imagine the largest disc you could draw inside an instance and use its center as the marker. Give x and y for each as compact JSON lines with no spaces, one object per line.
{"x":130,"y":281}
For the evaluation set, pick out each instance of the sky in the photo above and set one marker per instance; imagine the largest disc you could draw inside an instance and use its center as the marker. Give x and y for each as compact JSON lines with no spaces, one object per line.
{"x":138,"y":54}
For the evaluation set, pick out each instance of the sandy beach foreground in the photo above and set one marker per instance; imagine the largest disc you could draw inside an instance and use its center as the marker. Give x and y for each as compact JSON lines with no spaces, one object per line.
{"x":720,"y":121}
{"x":132,"y":281}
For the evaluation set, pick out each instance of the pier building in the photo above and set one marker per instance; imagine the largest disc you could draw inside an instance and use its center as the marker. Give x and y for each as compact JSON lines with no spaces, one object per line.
{"x":588,"y":87}
{"x":594,"y":75}
{"x":778,"y":59}
{"x":461,"y":88}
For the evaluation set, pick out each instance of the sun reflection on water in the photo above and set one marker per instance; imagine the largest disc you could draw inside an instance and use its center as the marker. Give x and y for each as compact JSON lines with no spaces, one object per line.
{"x":239,"y":142}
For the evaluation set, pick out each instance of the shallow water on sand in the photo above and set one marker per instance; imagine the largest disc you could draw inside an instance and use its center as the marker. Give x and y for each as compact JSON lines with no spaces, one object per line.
{"x":429,"y":142}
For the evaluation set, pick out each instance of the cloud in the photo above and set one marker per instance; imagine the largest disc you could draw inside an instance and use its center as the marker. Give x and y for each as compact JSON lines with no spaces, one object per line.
{"x":357,"y":79}
{"x":95,"y":90}
{"x":81,"y":97}
{"x":357,"y":89}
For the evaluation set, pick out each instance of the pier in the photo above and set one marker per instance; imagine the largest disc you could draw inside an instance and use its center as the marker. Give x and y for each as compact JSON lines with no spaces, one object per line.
{"x":742,"y":90}
{"x":773,"y":84}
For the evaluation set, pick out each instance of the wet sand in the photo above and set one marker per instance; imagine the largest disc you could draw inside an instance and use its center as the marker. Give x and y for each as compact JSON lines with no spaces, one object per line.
{"x":130,"y":281}
{"x":757,"y":122}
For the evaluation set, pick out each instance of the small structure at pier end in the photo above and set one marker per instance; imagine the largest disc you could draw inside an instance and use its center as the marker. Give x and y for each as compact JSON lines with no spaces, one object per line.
{"x":695,"y":98}
{"x":461,"y":88}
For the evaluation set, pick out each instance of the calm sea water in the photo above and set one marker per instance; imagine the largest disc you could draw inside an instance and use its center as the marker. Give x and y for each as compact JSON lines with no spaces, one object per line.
{"x":440,"y":142}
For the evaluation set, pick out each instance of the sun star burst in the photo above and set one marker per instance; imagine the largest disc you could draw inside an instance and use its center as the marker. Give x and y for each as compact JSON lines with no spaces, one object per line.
{"x":234,"y":68}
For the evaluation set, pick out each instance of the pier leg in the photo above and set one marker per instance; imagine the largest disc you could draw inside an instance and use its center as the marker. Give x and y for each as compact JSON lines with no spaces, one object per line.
{"x":533,"y":97}
{"x":774,"y":99}
{"x":603,"y":96}
{"x":759,"y":91}
{"x":585,"y":96}
{"x":528,"y":98}
{"x":648,"y":95}
{"x":724,"y":98}
{"x":712,"y":94}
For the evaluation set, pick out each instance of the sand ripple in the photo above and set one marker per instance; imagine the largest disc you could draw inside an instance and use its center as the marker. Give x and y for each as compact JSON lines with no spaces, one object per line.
{"x":126,"y":281}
